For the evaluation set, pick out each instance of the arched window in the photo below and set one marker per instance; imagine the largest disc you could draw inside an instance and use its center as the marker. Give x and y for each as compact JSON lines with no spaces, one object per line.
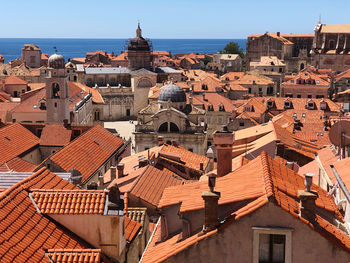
{"x":55,"y":90}
{"x":173,"y":127}
{"x":302,"y":66}
{"x":163,"y":127}
{"x":331,"y":44}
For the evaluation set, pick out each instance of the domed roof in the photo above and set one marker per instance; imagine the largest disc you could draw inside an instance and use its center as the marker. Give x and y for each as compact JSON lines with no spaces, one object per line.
{"x":56,"y":61}
{"x":172,"y":92}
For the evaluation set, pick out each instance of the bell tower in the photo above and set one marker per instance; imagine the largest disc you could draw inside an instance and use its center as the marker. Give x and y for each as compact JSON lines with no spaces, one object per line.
{"x":57,"y":91}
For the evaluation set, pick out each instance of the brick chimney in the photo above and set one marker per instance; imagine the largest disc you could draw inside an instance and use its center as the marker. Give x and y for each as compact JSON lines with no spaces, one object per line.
{"x":308,"y":199}
{"x":113,"y":172}
{"x":223,"y":141}
{"x":211,"y":205}
{"x":120,"y":168}
{"x":160,"y":140}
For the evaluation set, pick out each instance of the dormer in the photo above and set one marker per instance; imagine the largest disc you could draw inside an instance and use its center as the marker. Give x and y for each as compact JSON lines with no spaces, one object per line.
{"x":42,"y":104}
{"x":288,"y":104}
{"x":204,"y":87}
{"x":270,"y":103}
{"x":310,"y":105}
{"x":248,"y":108}
{"x":210,"y":107}
{"x":323,"y":105}
{"x":221,"y":107}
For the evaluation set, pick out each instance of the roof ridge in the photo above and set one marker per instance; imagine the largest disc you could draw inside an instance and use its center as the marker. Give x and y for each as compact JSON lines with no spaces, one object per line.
{"x":73,"y":190}
{"x":267,"y":174}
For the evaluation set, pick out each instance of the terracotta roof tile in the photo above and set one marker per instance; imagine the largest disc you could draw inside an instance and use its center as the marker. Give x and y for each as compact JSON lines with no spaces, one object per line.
{"x":15,"y":140}
{"x":18,"y":165}
{"x":70,"y":201}
{"x":74,"y":255}
{"x":13,"y":80}
{"x":88,"y":152}
{"x":267,"y":179}
{"x":151,"y":184}
{"x":131,"y":228}
{"x":25,"y":232}
{"x":55,"y":135}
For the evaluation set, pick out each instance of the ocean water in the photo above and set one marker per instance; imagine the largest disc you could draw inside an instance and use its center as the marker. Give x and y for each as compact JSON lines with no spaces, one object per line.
{"x":11,"y":48}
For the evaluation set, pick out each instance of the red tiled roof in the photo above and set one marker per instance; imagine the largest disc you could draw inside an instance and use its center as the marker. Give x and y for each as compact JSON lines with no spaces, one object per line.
{"x":88,"y":152}
{"x":75,"y":202}
{"x":31,"y":102}
{"x":96,"y":96}
{"x":243,"y":78}
{"x":131,"y":228}
{"x":25,"y":232}
{"x":190,"y":159}
{"x":151,"y":184}
{"x":304,"y":77}
{"x":5,"y":108}
{"x":15,"y":140}
{"x":13,"y":80}
{"x":258,"y":182}
{"x":214,"y":100}
{"x":55,"y":135}
{"x":18,"y":165}
{"x":74,"y":255}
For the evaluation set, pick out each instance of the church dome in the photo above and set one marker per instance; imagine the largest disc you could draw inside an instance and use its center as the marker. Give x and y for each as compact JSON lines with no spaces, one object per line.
{"x":56,"y":61}
{"x":172,"y":92}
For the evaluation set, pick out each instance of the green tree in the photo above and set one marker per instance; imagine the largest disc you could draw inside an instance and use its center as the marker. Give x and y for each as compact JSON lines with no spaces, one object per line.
{"x":233,"y":48}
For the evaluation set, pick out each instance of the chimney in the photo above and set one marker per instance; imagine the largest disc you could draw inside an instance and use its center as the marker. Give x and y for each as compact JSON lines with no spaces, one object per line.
{"x":120,"y":168}
{"x":211,"y":204}
{"x":160,"y":140}
{"x":113,"y":172}
{"x":174,"y":143}
{"x":223,"y":141}
{"x":308,"y":199}
{"x":278,"y":34}
{"x":100,"y":180}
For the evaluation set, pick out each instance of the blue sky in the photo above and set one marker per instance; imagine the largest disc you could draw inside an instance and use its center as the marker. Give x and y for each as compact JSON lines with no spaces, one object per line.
{"x":165,"y":19}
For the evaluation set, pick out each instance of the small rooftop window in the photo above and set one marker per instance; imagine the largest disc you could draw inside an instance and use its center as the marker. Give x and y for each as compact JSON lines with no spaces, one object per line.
{"x":303,"y":115}
{"x":7,"y":138}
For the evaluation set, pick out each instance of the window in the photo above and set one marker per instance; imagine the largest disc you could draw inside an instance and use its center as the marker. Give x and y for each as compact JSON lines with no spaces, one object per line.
{"x":190,"y":149}
{"x":127,"y":112}
{"x":319,"y":96}
{"x":271,"y":248}
{"x":241,"y":123}
{"x":331,"y":44}
{"x":97,"y":115}
{"x":309,"y":96}
{"x":280,"y":70}
{"x":55,"y":104}
{"x":298,"y":96}
{"x":249,"y":90}
{"x":272,"y":245}
{"x":55,"y":90}
{"x":260,"y":89}
{"x":292,"y":81}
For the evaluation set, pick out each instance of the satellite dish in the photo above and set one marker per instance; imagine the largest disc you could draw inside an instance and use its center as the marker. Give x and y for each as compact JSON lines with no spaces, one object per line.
{"x":339,"y":134}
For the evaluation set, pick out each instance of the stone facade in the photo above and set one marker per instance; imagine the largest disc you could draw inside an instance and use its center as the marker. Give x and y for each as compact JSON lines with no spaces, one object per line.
{"x":331,"y":46}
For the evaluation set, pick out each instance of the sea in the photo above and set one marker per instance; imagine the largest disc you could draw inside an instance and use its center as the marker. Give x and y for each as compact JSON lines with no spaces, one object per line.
{"x":11,"y":48}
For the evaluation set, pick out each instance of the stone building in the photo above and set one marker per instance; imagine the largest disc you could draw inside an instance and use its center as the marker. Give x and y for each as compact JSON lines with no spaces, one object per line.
{"x":31,"y":55}
{"x":139,"y":52}
{"x":228,"y":62}
{"x":305,"y":85}
{"x":331,"y":46}
{"x":293,"y":49}
{"x":174,"y":119}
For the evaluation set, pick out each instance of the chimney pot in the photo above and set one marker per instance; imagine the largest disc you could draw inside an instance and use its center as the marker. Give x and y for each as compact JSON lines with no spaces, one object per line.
{"x":120,"y":168}
{"x":113,"y":172}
